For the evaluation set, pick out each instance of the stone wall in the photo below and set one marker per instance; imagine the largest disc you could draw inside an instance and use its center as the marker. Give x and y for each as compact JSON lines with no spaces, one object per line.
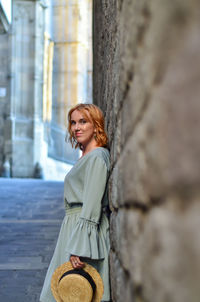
{"x":146,"y":79}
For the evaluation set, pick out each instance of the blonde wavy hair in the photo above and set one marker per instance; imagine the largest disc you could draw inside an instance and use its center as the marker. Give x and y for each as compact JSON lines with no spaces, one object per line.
{"x":94,"y":114}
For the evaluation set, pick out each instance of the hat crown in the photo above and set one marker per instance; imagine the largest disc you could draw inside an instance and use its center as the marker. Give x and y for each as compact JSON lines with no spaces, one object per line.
{"x":83,"y":273}
{"x":75,"y":288}
{"x":69,"y":285}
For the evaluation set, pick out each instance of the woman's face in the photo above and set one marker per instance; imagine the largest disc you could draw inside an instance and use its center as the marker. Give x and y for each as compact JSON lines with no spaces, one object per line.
{"x":82,"y":128}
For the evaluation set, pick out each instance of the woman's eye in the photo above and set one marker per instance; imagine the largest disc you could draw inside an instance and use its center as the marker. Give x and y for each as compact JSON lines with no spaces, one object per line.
{"x":83,"y":121}
{"x":72,"y":122}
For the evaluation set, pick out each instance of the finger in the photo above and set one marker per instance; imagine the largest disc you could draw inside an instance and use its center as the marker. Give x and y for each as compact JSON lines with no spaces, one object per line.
{"x":76,"y":262}
{"x":73,"y":261}
{"x":79,"y":264}
{"x":74,"y":265}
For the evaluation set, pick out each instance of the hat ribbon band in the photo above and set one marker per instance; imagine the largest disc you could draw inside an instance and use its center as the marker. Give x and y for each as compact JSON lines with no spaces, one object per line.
{"x":82,"y":273}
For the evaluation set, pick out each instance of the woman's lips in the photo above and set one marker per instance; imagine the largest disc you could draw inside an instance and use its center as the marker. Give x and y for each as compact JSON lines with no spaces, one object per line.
{"x":78,"y":134}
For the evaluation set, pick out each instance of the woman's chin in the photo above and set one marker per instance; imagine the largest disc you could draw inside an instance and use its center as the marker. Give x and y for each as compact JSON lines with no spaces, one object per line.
{"x":79,"y":140}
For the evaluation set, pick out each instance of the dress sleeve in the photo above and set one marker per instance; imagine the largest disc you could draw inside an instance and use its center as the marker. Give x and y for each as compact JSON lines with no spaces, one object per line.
{"x":86,"y":239}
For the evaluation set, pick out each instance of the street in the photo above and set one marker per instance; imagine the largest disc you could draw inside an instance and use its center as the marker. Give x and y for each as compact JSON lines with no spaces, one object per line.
{"x":31,"y":213}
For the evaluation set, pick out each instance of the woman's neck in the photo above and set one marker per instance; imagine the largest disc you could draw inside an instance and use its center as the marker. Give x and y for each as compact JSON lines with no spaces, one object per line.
{"x":88,"y":148}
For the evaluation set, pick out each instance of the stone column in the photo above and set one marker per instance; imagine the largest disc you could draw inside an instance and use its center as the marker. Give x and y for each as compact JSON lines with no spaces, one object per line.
{"x":72,"y":44}
{"x":38,"y":126}
{"x":4,"y":97}
{"x":24,"y":110}
{"x":5,"y":20}
{"x":70,"y":36}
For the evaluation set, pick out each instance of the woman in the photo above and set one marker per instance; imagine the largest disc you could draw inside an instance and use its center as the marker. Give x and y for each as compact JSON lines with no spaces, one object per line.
{"x":84,"y":234}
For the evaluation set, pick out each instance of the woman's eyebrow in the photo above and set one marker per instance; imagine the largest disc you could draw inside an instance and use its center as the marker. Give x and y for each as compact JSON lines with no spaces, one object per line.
{"x":81,"y":119}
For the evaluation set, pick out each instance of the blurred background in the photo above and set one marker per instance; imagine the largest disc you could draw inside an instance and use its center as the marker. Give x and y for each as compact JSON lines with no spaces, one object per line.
{"x":145,"y":75}
{"x":45,"y":68}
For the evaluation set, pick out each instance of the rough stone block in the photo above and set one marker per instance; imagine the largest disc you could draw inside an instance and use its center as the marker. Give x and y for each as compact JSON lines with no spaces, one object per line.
{"x":159,"y":250}
{"x":170,"y":265}
{"x":114,"y":188}
{"x":162,"y":153}
{"x":132,"y":172}
{"x":122,"y":289}
{"x":126,"y":234}
{"x":115,"y":138}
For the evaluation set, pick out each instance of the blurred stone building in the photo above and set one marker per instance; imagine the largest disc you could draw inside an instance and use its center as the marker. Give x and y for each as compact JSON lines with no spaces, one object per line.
{"x":147,"y":80}
{"x":45,"y":68}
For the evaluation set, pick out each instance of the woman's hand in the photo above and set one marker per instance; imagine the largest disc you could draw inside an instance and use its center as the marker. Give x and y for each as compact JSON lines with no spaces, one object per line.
{"x":76,"y":262}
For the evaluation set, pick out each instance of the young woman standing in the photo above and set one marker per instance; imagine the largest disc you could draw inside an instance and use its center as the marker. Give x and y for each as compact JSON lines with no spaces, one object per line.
{"x":84,"y":234}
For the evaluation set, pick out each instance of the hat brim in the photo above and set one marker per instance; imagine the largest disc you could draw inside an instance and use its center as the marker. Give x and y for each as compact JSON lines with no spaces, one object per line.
{"x":68,"y":266}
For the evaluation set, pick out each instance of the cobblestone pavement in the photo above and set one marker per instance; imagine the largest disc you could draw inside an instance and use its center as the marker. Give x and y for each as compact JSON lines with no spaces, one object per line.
{"x":31,"y":212}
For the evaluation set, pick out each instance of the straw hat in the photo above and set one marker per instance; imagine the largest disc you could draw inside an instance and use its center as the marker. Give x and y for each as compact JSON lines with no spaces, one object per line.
{"x":76,"y":285}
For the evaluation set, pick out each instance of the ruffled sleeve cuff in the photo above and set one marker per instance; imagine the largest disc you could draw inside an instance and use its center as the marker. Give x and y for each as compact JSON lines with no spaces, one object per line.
{"x":85,"y":240}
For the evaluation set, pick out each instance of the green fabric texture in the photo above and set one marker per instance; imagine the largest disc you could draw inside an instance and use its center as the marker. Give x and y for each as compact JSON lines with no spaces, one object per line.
{"x":85,"y":228}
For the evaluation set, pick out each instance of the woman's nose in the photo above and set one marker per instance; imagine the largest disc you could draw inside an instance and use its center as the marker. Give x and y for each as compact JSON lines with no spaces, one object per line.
{"x":77,"y":126}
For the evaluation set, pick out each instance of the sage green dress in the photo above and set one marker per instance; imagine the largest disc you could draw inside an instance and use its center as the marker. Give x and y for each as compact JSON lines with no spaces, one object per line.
{"x":85,"y":229}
